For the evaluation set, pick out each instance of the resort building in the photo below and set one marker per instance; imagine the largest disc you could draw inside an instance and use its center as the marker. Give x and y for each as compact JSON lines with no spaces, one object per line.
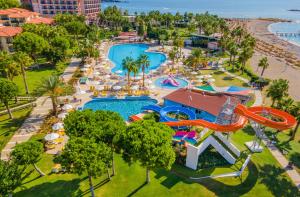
{"x":89,"y":8}
{"x":205,"y":105}
{"x":10,"y":22}
{"x":6,"y":37}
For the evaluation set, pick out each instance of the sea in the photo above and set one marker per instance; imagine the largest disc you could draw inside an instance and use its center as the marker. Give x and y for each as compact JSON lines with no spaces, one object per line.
{"x":225,"y":8}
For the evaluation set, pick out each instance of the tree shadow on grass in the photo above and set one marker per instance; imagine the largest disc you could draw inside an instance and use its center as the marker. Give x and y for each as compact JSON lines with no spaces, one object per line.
{"x":136,"y":190}
{"x":295,"y":158}
{"x":248,"y":130}
{"x":57,"y":188}
{"x":277,"y":184}
{"x":228,"y":78}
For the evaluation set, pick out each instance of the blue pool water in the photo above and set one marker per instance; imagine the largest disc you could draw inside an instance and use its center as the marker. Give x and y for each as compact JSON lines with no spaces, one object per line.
{"x":182,"y":83}
{"x":119,"y":52}
{"x":125,"y":107}
{"x":287,"y":28}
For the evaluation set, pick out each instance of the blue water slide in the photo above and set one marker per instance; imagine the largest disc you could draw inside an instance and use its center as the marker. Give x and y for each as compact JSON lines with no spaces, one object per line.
{"x":165,"y":118}
{"x":154,"y":108}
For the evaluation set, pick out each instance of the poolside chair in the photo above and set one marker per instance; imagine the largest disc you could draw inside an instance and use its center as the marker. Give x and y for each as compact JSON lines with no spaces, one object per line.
{"x":96,"y":93}
{"x":59,"y":140}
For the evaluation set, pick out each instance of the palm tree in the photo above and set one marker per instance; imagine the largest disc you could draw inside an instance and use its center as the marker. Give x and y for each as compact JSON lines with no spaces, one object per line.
{"x":8,"y":65}
{"x":144,"y":62}
{"x":194,"y":59}
{"x":295,"y":111}
{"x":264,"y":64}
{"x":244,"y":56}
{"x":233,"y":51}
{"x":277,"y":90}
{"x":52,"y":86}
{"x":24,"y":61}
{"x":128,"y":64}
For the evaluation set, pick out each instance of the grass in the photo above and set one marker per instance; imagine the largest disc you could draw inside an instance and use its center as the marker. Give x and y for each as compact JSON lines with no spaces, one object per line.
{"x":8,"y":127}
{"x":34,"y":78}
{"x":263,"y":177}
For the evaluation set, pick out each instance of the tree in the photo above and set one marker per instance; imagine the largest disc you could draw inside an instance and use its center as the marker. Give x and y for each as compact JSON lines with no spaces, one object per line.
{"x":8,"y":65}
{"x":59,"y":48}
{"x":10,"y":177}
{"x":84,"y":156}
{"x":278,"y":89}
{"x":52,"y":86}
{"x":75,"y":28}
{"x":150,"y":143}
{"x":24,"y":61}
{"x":233,"y":51}
{"x":103,"y":126}
{"x":5,"y":4}
{"x":8,"y":90}
{"x":143,"y":62}
{"x":264,"y":64}
{"x":128,"y":64}
{"x":295,"y":111}
{"x":244,"y":56}
{"x":30,"y":43}
{"x":195,"y":59}
{"x":28,"y":153}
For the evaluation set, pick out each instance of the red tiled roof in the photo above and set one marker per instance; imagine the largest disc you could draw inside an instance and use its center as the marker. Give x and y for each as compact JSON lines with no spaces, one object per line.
{"x":40,"y":20}
{"x":9,"y":31}
{"x":212,"y":103}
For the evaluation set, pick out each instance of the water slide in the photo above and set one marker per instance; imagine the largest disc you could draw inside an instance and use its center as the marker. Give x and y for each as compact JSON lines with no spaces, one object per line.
{"x":171,"y":80}
{"x":286,"y":120}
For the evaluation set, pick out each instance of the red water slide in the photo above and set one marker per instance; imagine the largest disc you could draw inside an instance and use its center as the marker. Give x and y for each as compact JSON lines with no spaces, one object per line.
{"x":286,"y":120}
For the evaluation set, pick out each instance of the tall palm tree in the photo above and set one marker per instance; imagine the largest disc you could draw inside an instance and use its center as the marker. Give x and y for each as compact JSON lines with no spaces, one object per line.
{"x":194,"y":59}
{"x":52,"y":86}
{"x":144,"y":62}
{"x":128,"y":64}
{"x":233,"y":51}
{"x":264,"y":64}
{"x":24,"y":61}
{"x":244,"y":56}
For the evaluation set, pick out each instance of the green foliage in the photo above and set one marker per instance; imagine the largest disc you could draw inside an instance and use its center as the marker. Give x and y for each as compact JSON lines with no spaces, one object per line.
{"x":8,"y":90}
{"x":62,"y":19}
{"x":112,"y":17}
{"x":277,"y":90}
{"x":150,"y":143}
{"x":8,"y":66}
{"x":30,"y":43}
{"x":59,"y":50}
{"x":75,"y":28}
{"x":263,"y":62}
{"x":10,"y":177}
{"x":5,"y":4}
{"x":27,"y":152}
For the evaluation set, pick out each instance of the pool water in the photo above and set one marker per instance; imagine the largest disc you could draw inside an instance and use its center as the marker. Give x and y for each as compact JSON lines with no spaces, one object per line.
{"x":182,"y":83}
{"x":125,"y":107}
{"x":119,"y":52}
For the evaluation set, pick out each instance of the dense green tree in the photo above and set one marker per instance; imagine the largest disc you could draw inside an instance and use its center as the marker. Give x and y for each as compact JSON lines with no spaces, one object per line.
{"x":244,"y":56}
{"x":10,"y":177}
{"x":76,"y":28}
{"x":128,"y":65}
{"x":84,"y":156}
{"x":28,"y":153}
{"x":277,"y":90}
{"x":30,"y":43}
{"x":102,"y":126}
{"x":295,"y":111}
{"x":143,"y":62}
{"x":264,"y":64}
{"x":8,"y":66}
{"x":5,"y":4}
{"x":24,"y":61}
{"x":59,"y":49}
{"x":53,"y":87}
{"x":233,"y":51}
{"x":150,"y":143}
{"x":62,"y":19}
{"x":8,"y":90}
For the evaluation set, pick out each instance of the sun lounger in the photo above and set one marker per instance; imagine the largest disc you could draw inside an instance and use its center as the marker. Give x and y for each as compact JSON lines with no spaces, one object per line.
{"x":181,"y":133}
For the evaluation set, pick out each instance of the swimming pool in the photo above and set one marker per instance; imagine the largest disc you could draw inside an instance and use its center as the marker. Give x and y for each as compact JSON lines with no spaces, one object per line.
{"x":182,"y":83}
{"x":125,"y":107}
{"x":119,"y":52}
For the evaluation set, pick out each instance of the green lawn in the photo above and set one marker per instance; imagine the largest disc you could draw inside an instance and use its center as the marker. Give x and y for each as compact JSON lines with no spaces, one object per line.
{"x":263,"y":177}
{"x":8,"y":127}
{"x":34,"y":78}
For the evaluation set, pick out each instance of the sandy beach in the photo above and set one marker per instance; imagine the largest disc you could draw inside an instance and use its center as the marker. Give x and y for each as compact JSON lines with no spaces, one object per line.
{"x":278,"y":68}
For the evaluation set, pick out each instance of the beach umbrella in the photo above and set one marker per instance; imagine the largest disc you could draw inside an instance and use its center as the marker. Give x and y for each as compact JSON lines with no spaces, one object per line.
{"x":83,"y":69}
{"x":100,"y":88}
{"x":97,"y":73}
{"x":200,"y":77}
{"x":152,"y":87}
{"x":148,"y":81}
{"x":51,"y":136}
{"x":211,"y":80}
{"x":199,"y":80}
{"x":80,"y":92}
{"x":164,"y":65}
{"x":67,"y":107}
{"x":136,"y":87}
{"x":57,"y":126}
{"x":95,"y":82}
{"x":138,"y":78}
{"x":194,"y":73}
{"x":62,"y":115}
{"x":117,"y":88}
{"x":119,"y":72}
{"x":87,"y":66}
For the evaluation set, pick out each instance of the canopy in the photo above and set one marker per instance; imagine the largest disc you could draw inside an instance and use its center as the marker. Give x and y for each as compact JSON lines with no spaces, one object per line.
{"x":134,"y":87}
{"x":117,"y":88}
{"x":67,"y":107}
{"x":119,"y":71}
{"x":51,"y":136}
{"x":58,"y":126}
{"x":62,"y":115}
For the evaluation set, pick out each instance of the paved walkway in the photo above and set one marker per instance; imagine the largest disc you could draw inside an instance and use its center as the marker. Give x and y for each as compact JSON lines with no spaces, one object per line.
{"x":282,"y":160}
{"x":30,"y":126}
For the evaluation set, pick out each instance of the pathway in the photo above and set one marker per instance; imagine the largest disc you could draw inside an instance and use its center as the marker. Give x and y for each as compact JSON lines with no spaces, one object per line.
{"x":282,"y":160}
{"x":33,"y":123}
{"x":30,"y":126}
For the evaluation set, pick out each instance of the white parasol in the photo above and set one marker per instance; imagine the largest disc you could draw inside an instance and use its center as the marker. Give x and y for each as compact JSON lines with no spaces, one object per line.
{"x":117,"y":88}
{"x":136,"y":87}
{"x":67,"y":107}
{"x":119,"y":71}
{"x":62,"y":115}
{"x":51,"y":136}
{"x":58,"y":126}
